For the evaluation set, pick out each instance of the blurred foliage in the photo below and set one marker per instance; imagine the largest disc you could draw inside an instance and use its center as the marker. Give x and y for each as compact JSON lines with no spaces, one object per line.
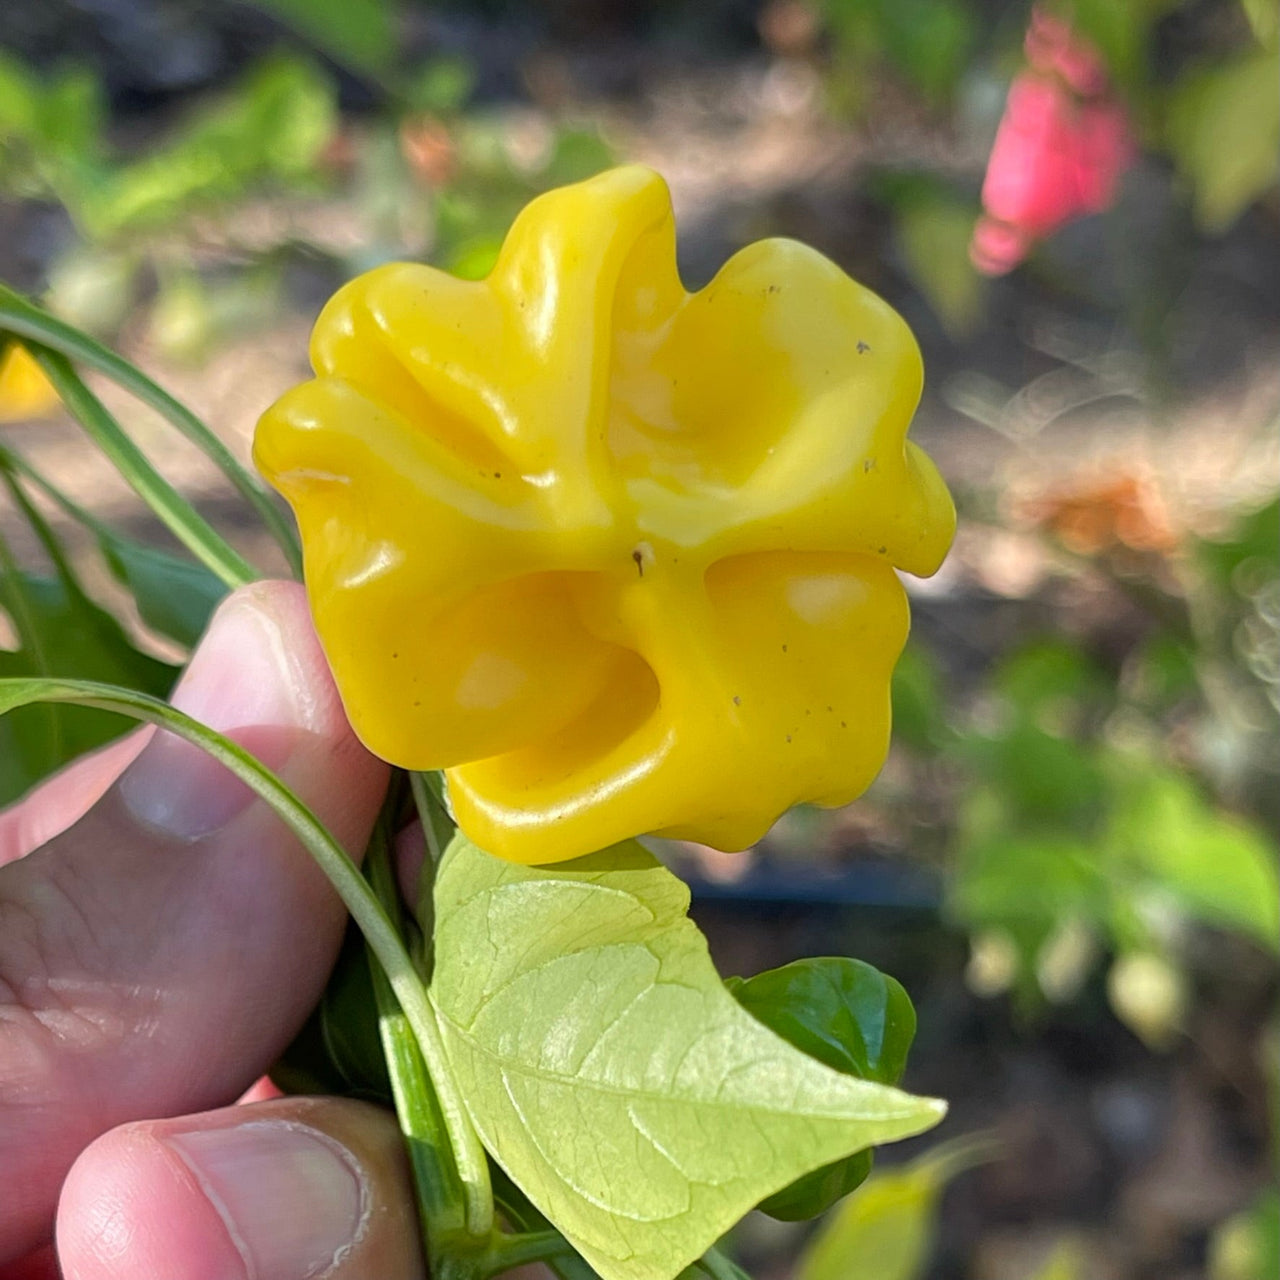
{"x":1083,"y":830}
{"x":1247,"y":1246}
{"x":928,"y":41}
{"x":1216,"y":115}
{"x":422,"y":176}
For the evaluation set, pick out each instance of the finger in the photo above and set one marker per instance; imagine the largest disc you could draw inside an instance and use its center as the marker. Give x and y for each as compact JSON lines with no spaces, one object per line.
{"x":158,"y":955}
{"x":66,"y":797}
{"x":281,"y":1190}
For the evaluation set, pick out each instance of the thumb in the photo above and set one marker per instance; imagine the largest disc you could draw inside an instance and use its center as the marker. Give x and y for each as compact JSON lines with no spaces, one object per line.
{"x":156,"y":956}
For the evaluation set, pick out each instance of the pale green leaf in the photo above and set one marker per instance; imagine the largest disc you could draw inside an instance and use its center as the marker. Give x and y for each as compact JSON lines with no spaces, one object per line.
{"x":1264,"y":18}
{"x":611,"y":1074}
{"x":1065,"y":1262}
{"x":884,"y":1231}
{"x":933,"y":236}
{"x":1224,"y":132}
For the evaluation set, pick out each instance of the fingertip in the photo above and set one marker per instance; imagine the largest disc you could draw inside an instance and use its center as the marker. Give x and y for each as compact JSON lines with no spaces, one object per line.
{"x":288,"y":1189}
{"x":131,"y":1208}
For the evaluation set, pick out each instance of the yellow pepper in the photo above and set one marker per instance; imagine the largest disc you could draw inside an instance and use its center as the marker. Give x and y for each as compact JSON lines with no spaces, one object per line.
{"x":618,"y":557}
{"x":25,"y":392}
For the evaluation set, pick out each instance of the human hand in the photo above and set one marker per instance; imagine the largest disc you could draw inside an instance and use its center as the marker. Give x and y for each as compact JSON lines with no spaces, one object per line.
{"x":162,"y":937}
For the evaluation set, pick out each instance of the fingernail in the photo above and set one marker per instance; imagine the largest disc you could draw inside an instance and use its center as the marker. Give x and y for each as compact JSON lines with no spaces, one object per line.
{"x":241,"y":677}
{"x":293,"y":1200}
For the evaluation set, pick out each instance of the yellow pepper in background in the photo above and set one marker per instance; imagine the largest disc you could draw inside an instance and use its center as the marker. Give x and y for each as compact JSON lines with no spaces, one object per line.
{"x":618,"y":557}
{"x":25,"y":392}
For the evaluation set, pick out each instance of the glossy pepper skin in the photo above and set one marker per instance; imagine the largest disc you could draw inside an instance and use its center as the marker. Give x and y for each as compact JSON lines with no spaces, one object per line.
{"x":618,"y":557}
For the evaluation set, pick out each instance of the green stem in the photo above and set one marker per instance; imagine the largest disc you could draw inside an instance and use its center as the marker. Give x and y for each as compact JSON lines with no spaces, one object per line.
{"x":718,"y":1266}
{"x":23,"y":318}
{"x":18,"y":465}
{"x":441,"y":1195}
{"x":182,"y":520}
{"x":16,"y":597}
{"x":511,"y":1251}
{"x":437,"y":826}
{"x":521,"y":1213}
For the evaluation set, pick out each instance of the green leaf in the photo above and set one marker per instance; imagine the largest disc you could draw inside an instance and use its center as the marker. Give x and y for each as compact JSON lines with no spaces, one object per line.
{"x":1224,"y":133}
{"x":19,"y":99}
{"x":1045,"y":673}
{"x":919,"y":702}
{"x":1264,"y":18}
{"x":61,"y":632}
{"x":927,"y":40}
{"x":441,"y":86}
{"x":1024,"y":884}
{"x":336,"y":1051}
{"x":1254,"y":537}
{"x":611,"y":1074}
{"x":933,"y":237}
{"x":70,"y":114}
{"x":1122,"y":33}
{"x":852,"y":1017}
{"x":844,"y":1012}
{"x":1051,"y":782}
{"x":885,"y":1232}
{"x":174,"y":597}
{"x":576,"y":154}
{"x":66,"y":634}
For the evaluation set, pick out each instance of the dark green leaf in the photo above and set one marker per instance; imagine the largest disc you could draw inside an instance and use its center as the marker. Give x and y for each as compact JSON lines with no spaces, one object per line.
{"x":849,"y":1016}
{"x":844,"y":1012}
{"x":175,"y":597}
{"x":338,"y":1049}
{"x":63,"y":634}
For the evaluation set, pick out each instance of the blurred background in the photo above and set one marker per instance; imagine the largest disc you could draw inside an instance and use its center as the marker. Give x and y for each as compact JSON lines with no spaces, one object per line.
{"x":1070,"y":858}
